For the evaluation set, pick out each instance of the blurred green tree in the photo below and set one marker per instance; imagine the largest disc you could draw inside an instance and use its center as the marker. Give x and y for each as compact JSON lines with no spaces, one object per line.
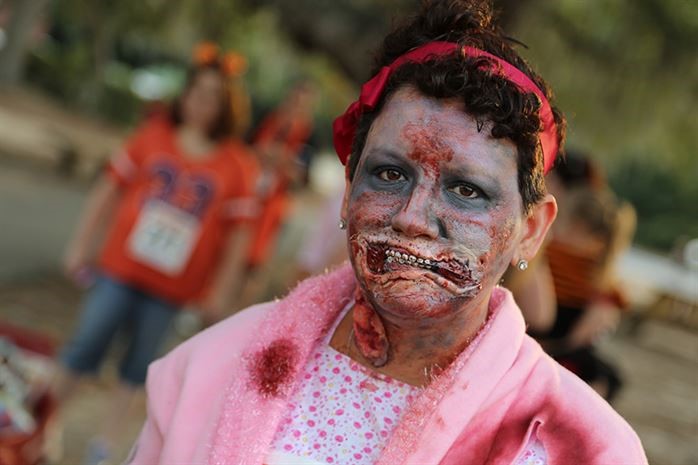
{"x":329,"y":27}
{"x":23,"y":17}
{"x":624,"y":71}
{"x":626,"y":74}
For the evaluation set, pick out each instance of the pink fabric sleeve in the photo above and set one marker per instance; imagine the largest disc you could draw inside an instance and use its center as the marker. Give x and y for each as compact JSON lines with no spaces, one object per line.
{"x":176,"y":384}
{"x":147,"y":448}
{"x":162,"y":392}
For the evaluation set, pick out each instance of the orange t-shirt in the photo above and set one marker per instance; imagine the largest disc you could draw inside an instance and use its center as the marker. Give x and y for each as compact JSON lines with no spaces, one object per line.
{"x":291,"y":134}
{"x":175,"y":213}
{"x":575,"y":273}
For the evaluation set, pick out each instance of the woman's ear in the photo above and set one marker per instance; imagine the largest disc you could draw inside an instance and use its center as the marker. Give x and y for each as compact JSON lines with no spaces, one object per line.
{"x":535,"y":229}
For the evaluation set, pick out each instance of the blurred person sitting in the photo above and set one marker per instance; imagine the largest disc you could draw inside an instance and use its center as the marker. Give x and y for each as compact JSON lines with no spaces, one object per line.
{"x":582,"y":256}
{"x":175,"y":206}
{"x":533,"y":287}
{"x":569,"y":296}
{"x":279,"y":142}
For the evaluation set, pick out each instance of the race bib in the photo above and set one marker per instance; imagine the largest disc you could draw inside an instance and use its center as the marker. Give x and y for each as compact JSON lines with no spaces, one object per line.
{"x":164,"y":237}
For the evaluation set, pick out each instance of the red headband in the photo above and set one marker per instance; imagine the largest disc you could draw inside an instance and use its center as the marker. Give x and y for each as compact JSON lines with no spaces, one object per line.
{"x":344,"y":126}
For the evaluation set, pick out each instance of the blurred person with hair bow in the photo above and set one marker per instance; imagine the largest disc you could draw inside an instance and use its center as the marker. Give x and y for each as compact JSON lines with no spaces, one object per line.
{"x":167,"y":225}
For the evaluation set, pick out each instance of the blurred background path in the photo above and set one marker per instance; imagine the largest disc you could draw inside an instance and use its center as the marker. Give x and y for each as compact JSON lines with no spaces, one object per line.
{"x":34,"y":203}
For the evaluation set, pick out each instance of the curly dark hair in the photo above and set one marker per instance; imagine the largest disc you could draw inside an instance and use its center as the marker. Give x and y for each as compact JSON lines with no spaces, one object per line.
{"x":223,"y":126}
{"x":486,"y":96}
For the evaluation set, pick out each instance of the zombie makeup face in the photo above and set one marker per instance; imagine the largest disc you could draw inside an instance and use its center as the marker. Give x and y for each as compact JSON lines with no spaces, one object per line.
{"x":434,"y":211}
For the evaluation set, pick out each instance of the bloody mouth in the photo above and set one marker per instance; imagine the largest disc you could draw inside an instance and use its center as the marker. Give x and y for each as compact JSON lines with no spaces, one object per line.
{"x":382,"y":258}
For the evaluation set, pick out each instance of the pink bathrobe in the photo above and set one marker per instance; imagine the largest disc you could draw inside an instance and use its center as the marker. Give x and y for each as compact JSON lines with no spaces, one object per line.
{"x":218,"y":398}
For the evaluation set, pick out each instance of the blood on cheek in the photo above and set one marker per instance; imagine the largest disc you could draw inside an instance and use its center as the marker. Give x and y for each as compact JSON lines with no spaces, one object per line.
{"x":428,"y":150}
{"x":501,"y":230}
{"x":372,"y":209}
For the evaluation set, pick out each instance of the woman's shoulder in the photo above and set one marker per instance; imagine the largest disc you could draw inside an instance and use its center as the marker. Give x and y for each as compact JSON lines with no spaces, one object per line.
{"x":235,"y":146}
{"x":237,"y":155}
{"x":155,"y":126}
{"x":152,"y":135}
{"x":219,"y":349}
{"x":231,"y":327}
{"x":573,"y":407}
{"x":226,"y":339}
{"x":199,"y":368}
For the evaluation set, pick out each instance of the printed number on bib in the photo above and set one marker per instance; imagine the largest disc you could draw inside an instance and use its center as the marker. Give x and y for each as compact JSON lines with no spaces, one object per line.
{"x":164,"y":237}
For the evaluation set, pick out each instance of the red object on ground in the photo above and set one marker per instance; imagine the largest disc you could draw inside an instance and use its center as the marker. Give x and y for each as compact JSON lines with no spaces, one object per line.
{"x":27,"y":449}
{"x":23,"y":448}
{"x":28,"y":340}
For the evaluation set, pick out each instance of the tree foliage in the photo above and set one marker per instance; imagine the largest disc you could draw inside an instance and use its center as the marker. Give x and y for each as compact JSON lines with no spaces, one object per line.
{"x":624,"y":70}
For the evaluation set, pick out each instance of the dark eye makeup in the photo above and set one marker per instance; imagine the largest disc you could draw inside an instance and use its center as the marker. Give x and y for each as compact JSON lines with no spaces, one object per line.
{"x":390,"y":175}
{"x":466,"y":191}
{"x":389,"y":170}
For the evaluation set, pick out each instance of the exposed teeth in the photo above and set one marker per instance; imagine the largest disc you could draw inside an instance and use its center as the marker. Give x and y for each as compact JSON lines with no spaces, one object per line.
{"x":404,"y":258}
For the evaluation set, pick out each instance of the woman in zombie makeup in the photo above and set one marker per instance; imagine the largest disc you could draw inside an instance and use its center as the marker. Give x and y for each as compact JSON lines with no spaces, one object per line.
{"x":413,"y":354}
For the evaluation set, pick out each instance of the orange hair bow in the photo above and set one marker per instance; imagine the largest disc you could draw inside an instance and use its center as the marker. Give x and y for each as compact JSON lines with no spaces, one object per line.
{"x":231,"y":63}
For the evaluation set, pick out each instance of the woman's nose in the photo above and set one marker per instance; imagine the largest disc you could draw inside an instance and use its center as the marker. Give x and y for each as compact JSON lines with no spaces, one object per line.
{"x":416,"y":217}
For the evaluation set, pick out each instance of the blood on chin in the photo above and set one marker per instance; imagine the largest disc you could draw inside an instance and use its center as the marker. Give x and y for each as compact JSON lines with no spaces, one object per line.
{"x":408,"y":292}
{"x":414,"y":281}
{"x":405,"y":286}
{"x":405,"y":278}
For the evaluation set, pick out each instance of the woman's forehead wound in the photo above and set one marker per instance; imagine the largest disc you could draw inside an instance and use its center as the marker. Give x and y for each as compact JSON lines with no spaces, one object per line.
{"x":430,"y":131}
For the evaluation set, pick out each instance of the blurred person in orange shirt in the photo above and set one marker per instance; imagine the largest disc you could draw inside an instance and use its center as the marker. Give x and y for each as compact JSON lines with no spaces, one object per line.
{"x":279,"y":141}
{"x":175,"y":207}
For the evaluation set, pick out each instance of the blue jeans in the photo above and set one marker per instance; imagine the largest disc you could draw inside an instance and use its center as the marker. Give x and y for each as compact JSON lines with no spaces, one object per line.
{"x":108,"y":307}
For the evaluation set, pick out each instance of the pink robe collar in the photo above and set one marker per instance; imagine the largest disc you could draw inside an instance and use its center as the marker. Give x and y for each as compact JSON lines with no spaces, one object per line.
{"x":484,"y":407}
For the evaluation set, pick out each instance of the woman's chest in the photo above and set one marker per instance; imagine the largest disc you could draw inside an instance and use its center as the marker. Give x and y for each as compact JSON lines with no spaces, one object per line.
{"x":340,"y":413}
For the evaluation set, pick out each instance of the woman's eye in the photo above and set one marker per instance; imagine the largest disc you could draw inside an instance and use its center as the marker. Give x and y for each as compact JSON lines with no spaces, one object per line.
{"x":465,"y":191}
{"x":391,"y":175}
